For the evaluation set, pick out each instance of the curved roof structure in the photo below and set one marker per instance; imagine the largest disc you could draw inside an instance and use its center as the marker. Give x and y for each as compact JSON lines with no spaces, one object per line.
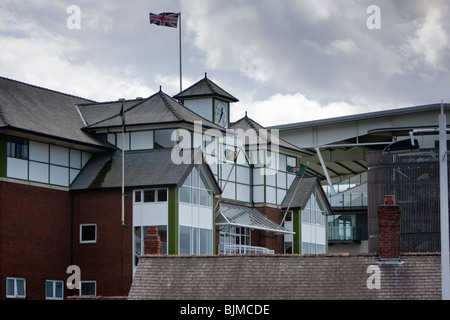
{"x":340,"y":145}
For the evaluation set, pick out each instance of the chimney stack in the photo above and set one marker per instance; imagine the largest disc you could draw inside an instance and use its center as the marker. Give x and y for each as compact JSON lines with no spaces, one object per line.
{"x":389,"y":229}
{"x":152,"y":242}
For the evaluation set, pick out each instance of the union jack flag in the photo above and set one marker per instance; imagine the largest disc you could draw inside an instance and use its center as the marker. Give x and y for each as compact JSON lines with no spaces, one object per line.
{"x":165,"y":19}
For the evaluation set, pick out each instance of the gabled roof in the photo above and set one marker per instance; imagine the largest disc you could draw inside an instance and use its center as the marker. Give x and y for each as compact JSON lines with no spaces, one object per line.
{"x":156,"y":109}
{"x":35,"y":110}
{"x":149,"y":168}
{"x":300,"y":191}
{"x":242,"y":216}
{"x":246,"y":124}
{"x":204,"y":88}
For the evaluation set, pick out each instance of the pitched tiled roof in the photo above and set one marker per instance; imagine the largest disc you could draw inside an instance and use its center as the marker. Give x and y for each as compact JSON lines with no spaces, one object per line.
{"x":41,"y":111}
{"x":156,"y":109}
{"x":149,"y":168}
{"x":247,"y":125}
{"x":204,"y":88}
{"x":300,"y":191}
{"x":286,"y":277}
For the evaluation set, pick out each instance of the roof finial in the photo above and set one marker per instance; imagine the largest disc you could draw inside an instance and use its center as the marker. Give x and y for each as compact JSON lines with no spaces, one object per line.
{"x":160,"y":89}
{"x":245,"y":113}
{"x":206,"y":75}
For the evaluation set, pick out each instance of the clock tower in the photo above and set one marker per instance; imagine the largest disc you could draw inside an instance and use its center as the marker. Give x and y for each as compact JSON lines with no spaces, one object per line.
{"x":208,"y":100}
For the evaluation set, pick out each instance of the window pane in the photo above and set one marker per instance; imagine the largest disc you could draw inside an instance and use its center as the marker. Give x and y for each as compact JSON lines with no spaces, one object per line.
{"x":49,"y":289}
{"x":88,"y":233}
{"x":162,"y":195}
{"x":205,"y":198}
{"x":17,"y":148}
{"x":88,"y":288}
{"x":195,"y":199}
{"x":162,"y":231}
{"x":195,"y":177}
{"x":205,"y":241}
{"x":149,"y":195}
{"x":188,"y":181}
{"x":185,"y":240}
{"x":185,"y":194}
{"x":195,"y":241}
{"x":10,"y":287}
{"x":163,"y":139}
{"x":58,"y":289}
{"x":137,"y":196}
{"x":20,"y":287}
{"x":203,"y":183}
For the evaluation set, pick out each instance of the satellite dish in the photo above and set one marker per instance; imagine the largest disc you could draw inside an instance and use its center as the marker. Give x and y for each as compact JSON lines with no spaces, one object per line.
{"x":402,"y":146}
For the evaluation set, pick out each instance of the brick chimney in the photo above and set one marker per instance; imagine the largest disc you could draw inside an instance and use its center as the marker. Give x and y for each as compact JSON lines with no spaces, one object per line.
{"x":152,"y":242}
{"x":389,"y":229}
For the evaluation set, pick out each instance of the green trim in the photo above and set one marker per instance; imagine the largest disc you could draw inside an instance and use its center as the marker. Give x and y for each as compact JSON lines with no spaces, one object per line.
{"x":3,"y":158}
{"x":297,"y":228}
{"x":173,"y":227}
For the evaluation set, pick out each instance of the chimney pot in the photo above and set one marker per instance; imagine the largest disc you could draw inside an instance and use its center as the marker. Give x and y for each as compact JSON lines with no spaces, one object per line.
{"x":389,"y":200}
{"x":152,"y":242}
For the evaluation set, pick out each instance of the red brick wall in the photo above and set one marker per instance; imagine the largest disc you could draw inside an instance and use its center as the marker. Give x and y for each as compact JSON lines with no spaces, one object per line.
{"x":389,"y":230}
{"x":34,"y":236}
{"x":268,"y":239}
{"x":109,"y":260}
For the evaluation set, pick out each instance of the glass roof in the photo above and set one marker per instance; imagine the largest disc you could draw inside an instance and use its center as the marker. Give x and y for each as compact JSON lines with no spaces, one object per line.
{"x":247,"y":217}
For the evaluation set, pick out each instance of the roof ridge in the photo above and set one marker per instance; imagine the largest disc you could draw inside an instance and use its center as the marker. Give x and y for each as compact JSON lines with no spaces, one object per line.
{"x":3,"y":117}
{"x":47,"y":89}
{"x":169,"y":106}
{"x":210,"y":86}
{"x":116,"y":115}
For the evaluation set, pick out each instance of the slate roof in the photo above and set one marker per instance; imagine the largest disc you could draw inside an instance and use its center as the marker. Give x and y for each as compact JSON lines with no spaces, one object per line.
{"x":36,"y":110}
{"x":232,"y":214}
{"x":247,"y":123}
{"x":149,"y":168}
{"x":204,"y":88}
{"x":300,"y":191}
{"x":286,"y":277}
{"x":159,"y":108}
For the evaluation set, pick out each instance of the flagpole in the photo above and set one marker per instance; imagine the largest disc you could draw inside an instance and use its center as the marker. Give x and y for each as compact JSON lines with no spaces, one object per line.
{"x":179,"y":39}
{"x":123,"y":177}
{"x":122,"y":113}
{"x":443,"y":183}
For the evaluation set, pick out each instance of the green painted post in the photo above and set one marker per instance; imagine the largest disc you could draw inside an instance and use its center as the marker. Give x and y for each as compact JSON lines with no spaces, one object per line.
{"x":173,"y":227}
{"x":297,"y":228}
{"x":3,"y":159}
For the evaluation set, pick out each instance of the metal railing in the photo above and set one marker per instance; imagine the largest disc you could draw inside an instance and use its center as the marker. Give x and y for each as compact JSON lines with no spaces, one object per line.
{"x":348,"y":200}
{"x":242,"y":249}
{"x":339,"y":233}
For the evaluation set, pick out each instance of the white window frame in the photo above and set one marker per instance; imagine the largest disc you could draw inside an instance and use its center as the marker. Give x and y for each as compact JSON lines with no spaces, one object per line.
{"x":142,"y":191}
{"x":53,"y":297}
{"x":81,"y":232}
{"x":16,"y":295}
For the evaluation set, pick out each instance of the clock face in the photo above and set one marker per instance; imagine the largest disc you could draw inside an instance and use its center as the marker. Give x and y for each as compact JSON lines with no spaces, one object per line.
{"x":221,"y":113}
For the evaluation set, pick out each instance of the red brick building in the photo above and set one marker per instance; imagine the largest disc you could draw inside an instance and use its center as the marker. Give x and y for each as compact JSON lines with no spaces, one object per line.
{"x":81,"y":187}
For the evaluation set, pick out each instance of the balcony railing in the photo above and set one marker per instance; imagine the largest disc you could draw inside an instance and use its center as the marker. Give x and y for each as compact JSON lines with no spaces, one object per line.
{"x":348,"y":200}
{"x":344,"y":234}
{"x":242,"y":249}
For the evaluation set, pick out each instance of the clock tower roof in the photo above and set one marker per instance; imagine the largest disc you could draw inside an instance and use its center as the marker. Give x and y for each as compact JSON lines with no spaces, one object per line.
{"x":205,"y":88}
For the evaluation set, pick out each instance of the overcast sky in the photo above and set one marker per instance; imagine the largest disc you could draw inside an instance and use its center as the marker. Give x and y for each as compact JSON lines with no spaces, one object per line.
{"x":285,"y":60}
